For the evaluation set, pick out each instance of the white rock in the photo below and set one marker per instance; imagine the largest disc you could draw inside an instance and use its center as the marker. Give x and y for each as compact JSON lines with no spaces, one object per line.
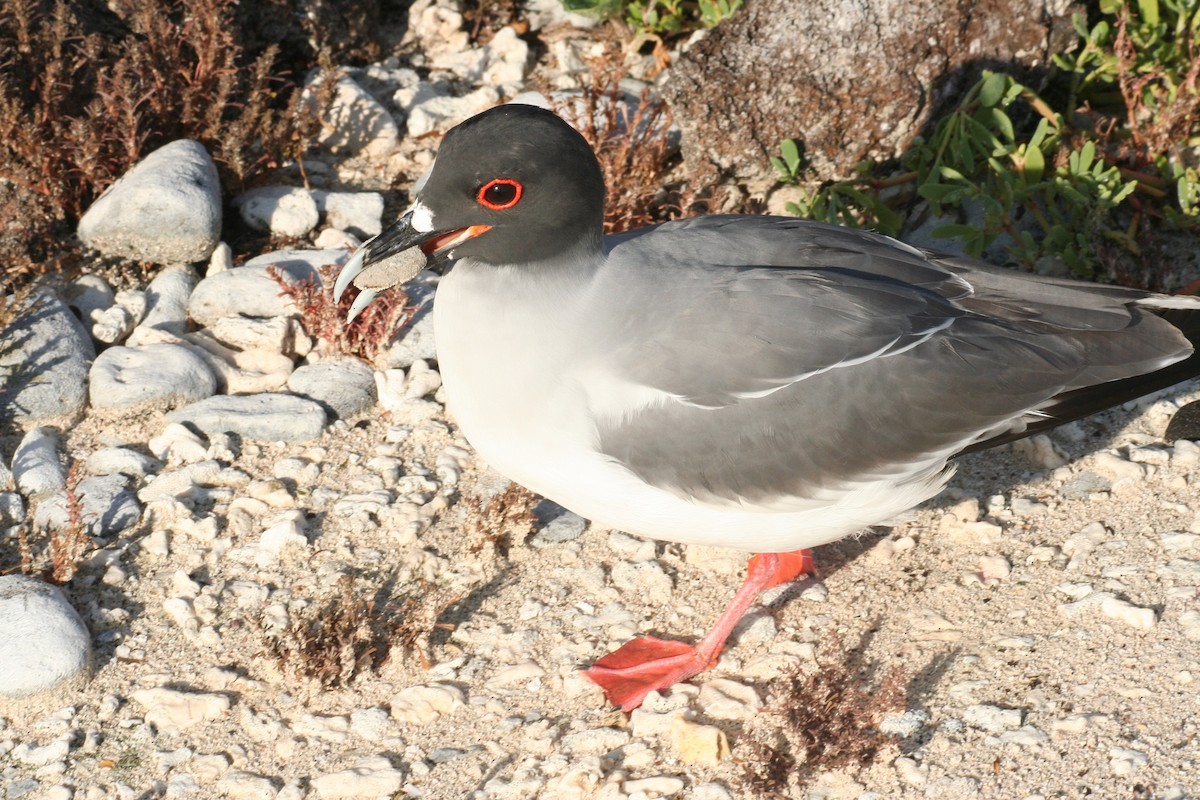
{"x":282,"y":210}
{"x":346,"y":385}
{"x":36,"y":468}
{"x":657,"y":786}
{"x":178,"y":445}
{"x":993,"y":719}
{"x":1040,"y":451}
{"x":121,"y":460}
{"x":520,"y":673}
{"x":442,"y":112}
{"x":372,"y":724}
{"x":422,"y":380}
{"x":334,"y":239}
{"x":46,"y":754}
{"x":1126,"y":760}
{"x":250,"y":291}
{"x":355,"y":124}
{"x":240,"y":785}
{"x":721,"y":698}
{"x":156,"y":376}
{"x":166,"y":305}
{"x":331,"y":729}
{"x":1078,"y":723}
{"x":247,"y":333}
{"x":1122,"y":473}
{"x":166,"y":209}
{"x":420,"y":705}
{"x":359,"y":213}
{"x":88,"y":295}
{"x":369,"y":777}
{"x":43,"y":642}
{"x":1141,"y":618}
{"x":220,"y":260}
{"x":266,"y":417}
{"x":112,"y":325}
{"x":171,"y":711}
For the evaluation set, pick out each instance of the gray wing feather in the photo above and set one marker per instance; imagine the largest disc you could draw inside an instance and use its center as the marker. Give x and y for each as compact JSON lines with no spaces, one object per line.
{"x":939,"y":353}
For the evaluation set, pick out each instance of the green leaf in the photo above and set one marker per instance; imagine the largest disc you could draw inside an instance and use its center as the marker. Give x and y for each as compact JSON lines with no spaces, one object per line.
{"x":992,"y":88}
{"x":1148,"y":11}
{"x":938,"y":192}
{"x":1002,"y":123}
{"x":1034,"y":166}
{"x":791,"y":154}
{"x":953,"y":230}
{"x":952,"y":174}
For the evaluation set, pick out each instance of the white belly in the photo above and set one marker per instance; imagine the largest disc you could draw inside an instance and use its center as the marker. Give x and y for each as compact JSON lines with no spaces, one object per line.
{"x":517,"y":374}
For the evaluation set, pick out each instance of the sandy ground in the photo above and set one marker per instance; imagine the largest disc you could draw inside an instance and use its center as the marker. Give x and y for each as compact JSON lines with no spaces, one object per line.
{"x":1019,"y":685}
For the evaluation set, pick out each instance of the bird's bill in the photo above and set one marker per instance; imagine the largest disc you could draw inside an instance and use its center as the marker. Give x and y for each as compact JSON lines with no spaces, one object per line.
{"x":395,"y":256}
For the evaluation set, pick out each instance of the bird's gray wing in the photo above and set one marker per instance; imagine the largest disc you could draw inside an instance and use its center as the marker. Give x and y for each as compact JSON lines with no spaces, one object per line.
{"x":797,"y":378}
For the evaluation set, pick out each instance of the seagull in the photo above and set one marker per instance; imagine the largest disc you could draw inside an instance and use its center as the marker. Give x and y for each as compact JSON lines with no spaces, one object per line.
{"x":761,"y":383}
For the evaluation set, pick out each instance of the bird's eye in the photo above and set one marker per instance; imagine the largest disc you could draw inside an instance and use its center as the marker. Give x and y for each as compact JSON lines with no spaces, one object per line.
{"x":500,"y":194}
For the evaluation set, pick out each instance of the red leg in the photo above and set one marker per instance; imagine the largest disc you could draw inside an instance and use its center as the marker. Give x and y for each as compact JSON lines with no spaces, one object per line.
{"x":647,"y":663}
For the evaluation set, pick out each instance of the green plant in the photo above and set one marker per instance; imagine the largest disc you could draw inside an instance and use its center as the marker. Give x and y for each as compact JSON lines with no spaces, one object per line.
{"x":658,"y":18}
{"x":1054,"y":173}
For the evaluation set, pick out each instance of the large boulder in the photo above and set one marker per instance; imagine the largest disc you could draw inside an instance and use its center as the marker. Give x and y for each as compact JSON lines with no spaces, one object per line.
{"x":852,"y":79}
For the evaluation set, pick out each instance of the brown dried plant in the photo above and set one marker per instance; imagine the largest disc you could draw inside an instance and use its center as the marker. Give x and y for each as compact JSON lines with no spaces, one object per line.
{"x":366,"y":336}
{"x":67,"y":545}
{"x":501,"y":519}
{"x":348,"y":632}
{"x":1174,"y":119}
{"x":633,"y":144}
{"x":830,"y":720}
{"x":84,"y":94}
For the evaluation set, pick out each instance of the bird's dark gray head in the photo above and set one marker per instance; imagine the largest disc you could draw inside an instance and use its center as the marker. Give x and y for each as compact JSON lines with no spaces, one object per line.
{"x":524,"y":173}
{"x":513,"y":185}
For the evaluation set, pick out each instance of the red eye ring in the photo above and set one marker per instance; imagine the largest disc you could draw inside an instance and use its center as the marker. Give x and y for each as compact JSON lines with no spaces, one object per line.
{"x":500,"y":194}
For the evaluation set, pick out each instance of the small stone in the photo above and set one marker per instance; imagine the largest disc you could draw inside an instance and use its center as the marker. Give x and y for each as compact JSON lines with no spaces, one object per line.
{"x":420,"y":705}
{"x":121,"y":461}
{"x":43,"y":642}
{"x":1078,"y":723}
{"x":593,"y":741}
{"x":372,"y":724}
{"x":47,"y":754}
{"x":368,"y":778}
{"x":44,"y":362}
{"x":1040,"y":451}
{"x":267,"y":417}
{"x":331,"y":729}
{"x":171,"y":711}
{"x":240,"y":785}
{"x":702,"y":745}
{"x":359,"y":213}
{"x":165,"y":210}
{"x":993,"y":719}
{"x":520,"y":673}
{"x":1025,"y":736}
{"x":288,"y":211}
{"x":1125,"y":760}
{"x":1141,"y":618}
{"x":355,"y":123}
{"x":657,"y":786}
{"x":166,"y":305}
{"x":721,"y":698}
{"x":178,"y":445}
{"x":159,"y":376}
{"x":346,"y":387}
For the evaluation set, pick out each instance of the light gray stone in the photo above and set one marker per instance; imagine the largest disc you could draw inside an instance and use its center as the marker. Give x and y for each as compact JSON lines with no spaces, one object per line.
{"x":88,"y":294}
{"x":36,"y":467}
{"x":359,"y":213}
{"x":442,"y":112}
{"x":44,"y":359}
{"x":250,"y":291}
{"x":166,"y":304}
{"x":112,"y":325}
{"x":345,"y":386}
{"x":108,"y":505}
{"x":414,"y":342}
{"x":166,"y":209}
{"x":152,"y":376}
{"x":121,"y":461}
{"x":43,"y":642}
{"x":281,"y":210}
{"x":356,"y":124}
{"x":269,"y":417}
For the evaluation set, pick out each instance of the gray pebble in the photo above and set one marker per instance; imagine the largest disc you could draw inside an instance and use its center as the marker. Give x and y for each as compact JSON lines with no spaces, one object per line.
{"x":166,"y":304}
{"x":166,"y":209}
{"x":152,"y":376}
{"x":250,"y":292}
{"x":346,"y":386}
{"x":108,"y":505}
{"x":36,"y":467}
{"x":359,"y":213}
{"x":123,"y":461}
{"x":267,"y":416}
{"x":43,"y":642}
{"x":44,"y":362}
{"x":281,"y":210}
